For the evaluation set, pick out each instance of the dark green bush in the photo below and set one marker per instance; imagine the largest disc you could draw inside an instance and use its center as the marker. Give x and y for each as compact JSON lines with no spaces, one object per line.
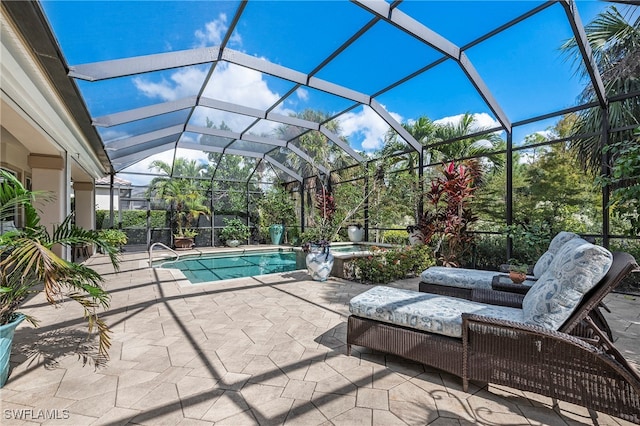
{"x":395,"y":237}
{"x":489,"y":252}
{"x":131,"y":219}
{"x":386,"y":265}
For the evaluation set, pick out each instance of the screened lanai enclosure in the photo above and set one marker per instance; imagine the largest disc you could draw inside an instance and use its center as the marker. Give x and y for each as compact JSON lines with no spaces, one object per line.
{"x":359,"y":105}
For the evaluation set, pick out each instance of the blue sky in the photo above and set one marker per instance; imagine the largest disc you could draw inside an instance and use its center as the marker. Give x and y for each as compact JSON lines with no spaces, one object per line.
{"x":521,"y":66}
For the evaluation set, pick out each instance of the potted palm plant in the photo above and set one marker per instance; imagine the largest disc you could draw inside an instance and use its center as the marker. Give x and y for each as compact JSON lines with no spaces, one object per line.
{"x":234,"y":232}
{"x":28,"y":265}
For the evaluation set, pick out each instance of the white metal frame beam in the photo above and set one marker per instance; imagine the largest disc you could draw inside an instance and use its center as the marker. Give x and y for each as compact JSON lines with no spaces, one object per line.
{"x":580,"y":35}
{"x":414,"y":28}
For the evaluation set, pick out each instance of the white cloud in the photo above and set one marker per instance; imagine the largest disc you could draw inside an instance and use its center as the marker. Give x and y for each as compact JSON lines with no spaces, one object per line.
{"x":214,"y":32}
{"x":302,"y":94}
{"x":481,"y":121}
{"x":368,"y":125}
{"x":183,"y":83}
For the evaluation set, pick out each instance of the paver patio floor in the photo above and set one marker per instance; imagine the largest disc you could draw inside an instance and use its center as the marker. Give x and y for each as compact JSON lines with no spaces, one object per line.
{"x":263,"y":350}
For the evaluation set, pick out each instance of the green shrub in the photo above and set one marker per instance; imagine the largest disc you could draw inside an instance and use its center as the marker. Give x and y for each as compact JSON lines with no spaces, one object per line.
{"x":386,"y":265}
{"x":488,"y":253}
{"x":101,"y":216}
{"x":131,"y":219}
{"x":395,"y":237}
{"x":114,"y":237}
{"x":235,"y":229}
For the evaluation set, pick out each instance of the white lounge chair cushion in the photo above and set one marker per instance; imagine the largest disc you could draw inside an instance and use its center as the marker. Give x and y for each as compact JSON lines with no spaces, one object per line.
{"x":575,"y":269}
{"x":556,"y":244}
{"x":424,"y":311}
{"x":460,"y":277}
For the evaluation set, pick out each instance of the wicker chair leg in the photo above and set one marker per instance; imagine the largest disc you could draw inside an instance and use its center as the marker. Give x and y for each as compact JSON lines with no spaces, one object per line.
{"x":348,"y":350}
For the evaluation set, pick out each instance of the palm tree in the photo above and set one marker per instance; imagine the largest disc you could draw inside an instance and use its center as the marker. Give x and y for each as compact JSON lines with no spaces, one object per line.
{"x":185,"y":193}
{"x":615,"y":42}
{"x":29,"y":264}
{"x":474,"y":146}
{"x":318,"y":147}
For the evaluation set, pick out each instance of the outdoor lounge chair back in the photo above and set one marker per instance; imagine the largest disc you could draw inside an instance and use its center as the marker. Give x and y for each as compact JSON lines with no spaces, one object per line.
{"x":623,"y":264}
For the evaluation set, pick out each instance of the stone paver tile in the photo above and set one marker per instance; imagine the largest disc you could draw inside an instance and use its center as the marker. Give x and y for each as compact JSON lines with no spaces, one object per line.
{"x":138,"y":352}
{"x":485,"y":401}
{"x":240,"y":419}
{"x":228,"y":404}
{"x":444,"y":421}
{"x":256,"y":394}
{"x":404,"y":367}
{"x":155,"y":363}
{"x":284,"y":358}
{"x":373,"y":398}
{"x":234,"y":363}
{"x":128,"y":396}
{"x":487,"y":418}
{"x":361,"y":376}
{"x":342,"y":363}
{"x":450,"y":406}
{"x":77,"y":389}
{"x":190,"y":385}
{"x":273,"y":412}
{"x":337,"y":384}
{"x":194,"y":422}
{"x":540,"y":416}
{"x":117,"y":366}
{"x":387,"y":379}
{"x":385,"y":418}
{"x":429,"y":382}
{"x":260,"y":364}
{"x":31,"y":382}
{"x":196,"y":405}
{"x":172,"y":374}
{"x":454,"y":386}
{"x":304,"y":413}
{"x":163,"y":394}
{"x":166,"y":414}
{"x":354,"y":417}
{"x":319,"y":371}
{"x":331,"y":404}
{"x":260,"y":349}
{"x":408,"y":392}
{"x":413,"y":414}
{"x":298,"y":389}
{"x":181,"y":358}
{"x":233,"y":381}
{"x":95,"y":406}
{"x":135,"y":377}
{"x":297,"y":370}
{"x":116,"y":415}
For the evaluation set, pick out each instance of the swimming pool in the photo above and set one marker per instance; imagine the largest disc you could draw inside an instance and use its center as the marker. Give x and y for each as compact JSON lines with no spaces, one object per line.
{"x":224,"y":266}
{"x":240,"y":264}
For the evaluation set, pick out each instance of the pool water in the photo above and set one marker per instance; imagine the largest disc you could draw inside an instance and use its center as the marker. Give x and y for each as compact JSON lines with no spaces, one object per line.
{"x":226,"y":266}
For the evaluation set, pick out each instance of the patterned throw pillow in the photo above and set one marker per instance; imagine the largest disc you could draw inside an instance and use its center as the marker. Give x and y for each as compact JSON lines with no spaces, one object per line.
{"x":556,"y":243}
{"x":575,"y":269}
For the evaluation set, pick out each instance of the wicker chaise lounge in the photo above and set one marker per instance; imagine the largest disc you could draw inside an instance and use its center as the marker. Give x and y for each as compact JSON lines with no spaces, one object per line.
{"x":461,"y":282}
{"x":587,"y":372}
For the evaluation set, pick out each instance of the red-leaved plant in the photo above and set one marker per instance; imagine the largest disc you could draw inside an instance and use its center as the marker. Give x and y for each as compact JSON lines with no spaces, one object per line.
{"x":445,"y":226}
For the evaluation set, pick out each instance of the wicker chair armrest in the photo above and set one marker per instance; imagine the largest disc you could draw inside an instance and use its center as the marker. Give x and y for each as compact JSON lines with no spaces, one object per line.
{"x":494,"y":297}
{"x":513,"y":328}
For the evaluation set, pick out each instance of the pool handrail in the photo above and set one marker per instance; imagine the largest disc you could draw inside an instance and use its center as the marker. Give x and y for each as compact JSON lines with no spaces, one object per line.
{"x":162,"y":245}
